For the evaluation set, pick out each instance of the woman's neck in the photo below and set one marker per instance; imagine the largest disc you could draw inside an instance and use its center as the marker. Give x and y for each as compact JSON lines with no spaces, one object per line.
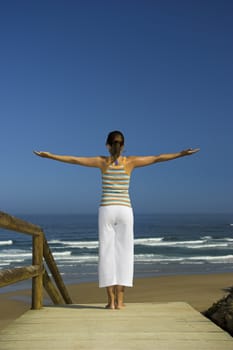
{"x":116,"y":161}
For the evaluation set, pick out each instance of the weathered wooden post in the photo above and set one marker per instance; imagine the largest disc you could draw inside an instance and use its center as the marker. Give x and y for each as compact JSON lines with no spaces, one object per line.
{"x":55,"y":273}
{"x":37,"y":282}
{"x":51,"y":289}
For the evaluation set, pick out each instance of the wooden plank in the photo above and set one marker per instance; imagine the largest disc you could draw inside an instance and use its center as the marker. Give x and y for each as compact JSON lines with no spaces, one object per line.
{"x":10,"y":276}
{"x":12,"y":223}
{"x":167,"y":326}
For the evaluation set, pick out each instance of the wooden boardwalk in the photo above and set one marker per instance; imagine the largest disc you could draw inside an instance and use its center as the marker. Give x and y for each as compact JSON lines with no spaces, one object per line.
{"x":167,"y":326}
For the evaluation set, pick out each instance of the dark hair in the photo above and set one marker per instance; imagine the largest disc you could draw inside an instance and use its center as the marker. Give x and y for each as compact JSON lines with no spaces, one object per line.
{"x":116,"y":140}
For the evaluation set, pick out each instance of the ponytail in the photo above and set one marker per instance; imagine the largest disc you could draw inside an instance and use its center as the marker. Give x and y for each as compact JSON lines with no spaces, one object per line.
{"x":115,"y":150}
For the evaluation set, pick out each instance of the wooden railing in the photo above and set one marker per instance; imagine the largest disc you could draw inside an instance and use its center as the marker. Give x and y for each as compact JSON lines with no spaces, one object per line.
{"x":37,"y":271}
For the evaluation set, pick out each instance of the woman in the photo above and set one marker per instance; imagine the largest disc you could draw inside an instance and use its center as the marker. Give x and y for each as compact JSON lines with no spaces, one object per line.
{"x":115,"y":212}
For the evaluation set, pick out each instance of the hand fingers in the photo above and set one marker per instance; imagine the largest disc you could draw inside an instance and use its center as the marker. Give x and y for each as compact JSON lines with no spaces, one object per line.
{"x":191,"y":150}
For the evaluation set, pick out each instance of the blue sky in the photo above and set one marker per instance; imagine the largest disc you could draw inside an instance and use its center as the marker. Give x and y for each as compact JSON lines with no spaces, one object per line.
{"x":160,"y":71}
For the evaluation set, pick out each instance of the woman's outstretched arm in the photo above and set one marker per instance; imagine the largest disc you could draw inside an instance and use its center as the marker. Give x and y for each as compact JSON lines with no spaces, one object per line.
{"x":140,"y":161}
{"x":96,"y":162}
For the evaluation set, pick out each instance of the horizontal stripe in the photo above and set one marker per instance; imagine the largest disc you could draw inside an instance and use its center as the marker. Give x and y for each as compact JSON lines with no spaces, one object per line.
{"x":115,"y":200}
{"x":115,"y":181}
{"x":120,"y":203}
{"x":117,"y":176}
{"x":113,"y":176}
{"x":105,"y":200}
{"x":115,"y":193}
{"x":116,"y":187}
{"x":115,"y":170}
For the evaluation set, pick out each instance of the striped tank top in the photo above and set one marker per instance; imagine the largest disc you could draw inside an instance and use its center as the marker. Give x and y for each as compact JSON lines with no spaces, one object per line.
{"x":115,"y":186}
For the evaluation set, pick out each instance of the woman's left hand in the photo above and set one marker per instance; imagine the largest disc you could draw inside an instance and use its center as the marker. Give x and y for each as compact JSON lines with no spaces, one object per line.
{"x":189,"y":151}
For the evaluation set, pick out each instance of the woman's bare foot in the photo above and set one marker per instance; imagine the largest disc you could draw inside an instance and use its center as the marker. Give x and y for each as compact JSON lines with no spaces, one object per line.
{"x":110,"y":306}
{"x":120,"y":306}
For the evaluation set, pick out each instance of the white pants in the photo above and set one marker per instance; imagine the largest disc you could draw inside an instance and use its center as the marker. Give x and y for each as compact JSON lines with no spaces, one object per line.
{"x":116,"y":246}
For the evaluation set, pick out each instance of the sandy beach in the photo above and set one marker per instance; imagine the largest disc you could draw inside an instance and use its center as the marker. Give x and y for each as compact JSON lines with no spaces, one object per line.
{"x":200,"y":291}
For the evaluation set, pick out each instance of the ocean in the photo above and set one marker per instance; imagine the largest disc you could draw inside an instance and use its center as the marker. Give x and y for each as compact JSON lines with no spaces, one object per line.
{"x":165,"y":244}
